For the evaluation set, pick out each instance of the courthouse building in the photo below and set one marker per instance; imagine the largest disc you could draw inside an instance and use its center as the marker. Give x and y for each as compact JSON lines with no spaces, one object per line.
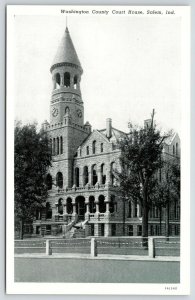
{"x":83,"y":197}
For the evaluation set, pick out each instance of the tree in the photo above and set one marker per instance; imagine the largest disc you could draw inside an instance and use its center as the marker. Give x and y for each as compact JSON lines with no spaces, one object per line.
{"x":167,"y":188}
{"x":140,"y":158}
{"x":32,"y":157}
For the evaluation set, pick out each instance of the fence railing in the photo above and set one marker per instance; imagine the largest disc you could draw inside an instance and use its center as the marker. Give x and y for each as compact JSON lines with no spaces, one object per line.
{"x":152,"y":246}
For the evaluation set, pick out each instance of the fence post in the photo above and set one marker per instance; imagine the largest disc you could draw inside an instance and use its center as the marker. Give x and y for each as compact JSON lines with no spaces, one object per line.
{"x":48,"y":248}
{"x":151,"y":247}
{"x":93,"y":247}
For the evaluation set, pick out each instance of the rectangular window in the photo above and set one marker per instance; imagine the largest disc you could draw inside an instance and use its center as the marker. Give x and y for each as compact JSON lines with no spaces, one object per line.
{"x":102,"y":229}
{"x":139,"y":230}
{"x":92,"y":229}
{"x":130,"y":230}
{"x":102,"y":147}
{"x":113,"y":229}
{"x":151,"y":230}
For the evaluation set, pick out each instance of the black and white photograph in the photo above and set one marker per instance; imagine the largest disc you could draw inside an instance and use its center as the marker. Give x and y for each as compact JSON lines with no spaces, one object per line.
{"x":98,"y":116}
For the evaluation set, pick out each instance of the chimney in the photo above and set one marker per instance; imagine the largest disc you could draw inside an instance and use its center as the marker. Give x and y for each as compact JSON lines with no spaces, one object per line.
{"x":108,"y":128}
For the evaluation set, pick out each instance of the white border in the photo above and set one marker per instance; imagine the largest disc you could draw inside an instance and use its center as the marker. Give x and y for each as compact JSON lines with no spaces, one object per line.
{"x":80,"y":288}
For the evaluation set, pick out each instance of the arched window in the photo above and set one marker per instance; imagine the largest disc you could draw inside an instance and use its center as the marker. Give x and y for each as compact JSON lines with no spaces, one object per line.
{"x":86,"y":175}
{"x":67,"y":110}
{"x":69,"y":206}
{"x":67,"y":79}
{"x":102,"y":147}
{"x":103,"y":174}
{"x":102,"y":204}
{"x":54,"y":146}
{"x":177,"y":152}
{"x":87,"y":150}
{"x":173,"y":150}
{"x":58,"y":146}
{"x":77,"y":177}
{"x":92,"y":208}
{"x":57,"y":86}
{"x":94,"y":174}
{"x":93,"y":147}
{"x":61,"y":145}
{"x":59,"y":180}
{"x":60,"y":206}
{"x":49,"y":182}
{"x":48,"y":211}
{"x":75,"y":81}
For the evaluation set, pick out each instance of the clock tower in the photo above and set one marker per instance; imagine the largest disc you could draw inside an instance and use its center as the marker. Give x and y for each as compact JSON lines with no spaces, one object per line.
{"x":66,"y":73}
{"x":66,"y":129}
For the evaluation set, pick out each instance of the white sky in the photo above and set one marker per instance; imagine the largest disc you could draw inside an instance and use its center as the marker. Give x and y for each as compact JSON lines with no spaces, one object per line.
{"x":131,"y":65}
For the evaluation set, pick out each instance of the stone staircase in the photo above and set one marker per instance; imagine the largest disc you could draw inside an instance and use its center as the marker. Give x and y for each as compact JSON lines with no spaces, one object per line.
{"x":76,"y":230}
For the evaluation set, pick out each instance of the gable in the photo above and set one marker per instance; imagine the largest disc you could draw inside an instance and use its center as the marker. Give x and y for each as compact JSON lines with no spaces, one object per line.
{"x":96,"y":143}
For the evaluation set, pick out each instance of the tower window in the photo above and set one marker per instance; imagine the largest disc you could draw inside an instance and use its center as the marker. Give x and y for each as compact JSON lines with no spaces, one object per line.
{"x":57,"y":86}
{"x":54,"y":147}
{"x":59,"y":180}
{"x":67,"y":110}
{"x":61,"y":145}
{"x":58,"y":148}
{"x":67,"y":79}
{"x":75,"y":81}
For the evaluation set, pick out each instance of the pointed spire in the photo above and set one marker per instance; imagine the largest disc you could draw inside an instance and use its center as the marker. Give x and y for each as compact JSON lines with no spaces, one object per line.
{"x":66,"y":52}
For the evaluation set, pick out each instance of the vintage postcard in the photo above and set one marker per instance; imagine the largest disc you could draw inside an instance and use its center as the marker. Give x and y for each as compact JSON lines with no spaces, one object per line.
{"x":98,"y":150}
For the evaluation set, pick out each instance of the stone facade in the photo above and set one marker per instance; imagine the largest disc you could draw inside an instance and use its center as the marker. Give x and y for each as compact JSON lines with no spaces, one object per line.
{"x":81,"y":183}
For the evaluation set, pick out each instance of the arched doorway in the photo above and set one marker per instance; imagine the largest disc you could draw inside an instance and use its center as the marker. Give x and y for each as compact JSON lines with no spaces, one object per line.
{"x":92,"y":208}
{"x":102,"y":204}
{"x":80,"y":207}
{"x":69,"y":206}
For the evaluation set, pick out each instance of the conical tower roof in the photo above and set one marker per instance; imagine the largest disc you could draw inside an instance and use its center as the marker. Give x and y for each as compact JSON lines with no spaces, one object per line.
{"x":66,"y":52}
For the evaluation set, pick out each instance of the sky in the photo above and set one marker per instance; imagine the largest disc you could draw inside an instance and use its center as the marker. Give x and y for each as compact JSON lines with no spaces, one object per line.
{"x":131,"y":66}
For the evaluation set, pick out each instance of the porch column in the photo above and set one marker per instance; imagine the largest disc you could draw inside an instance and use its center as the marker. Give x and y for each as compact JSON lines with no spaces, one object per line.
{"x":61,"y":79}
{"x":87,"y":208}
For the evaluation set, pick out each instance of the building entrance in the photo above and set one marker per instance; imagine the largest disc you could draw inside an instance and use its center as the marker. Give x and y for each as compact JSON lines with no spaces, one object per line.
{"x":80,"y":207}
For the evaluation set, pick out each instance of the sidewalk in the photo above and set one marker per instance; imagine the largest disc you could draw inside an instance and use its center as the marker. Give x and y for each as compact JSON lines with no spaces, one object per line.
{"x":99,"y":257}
